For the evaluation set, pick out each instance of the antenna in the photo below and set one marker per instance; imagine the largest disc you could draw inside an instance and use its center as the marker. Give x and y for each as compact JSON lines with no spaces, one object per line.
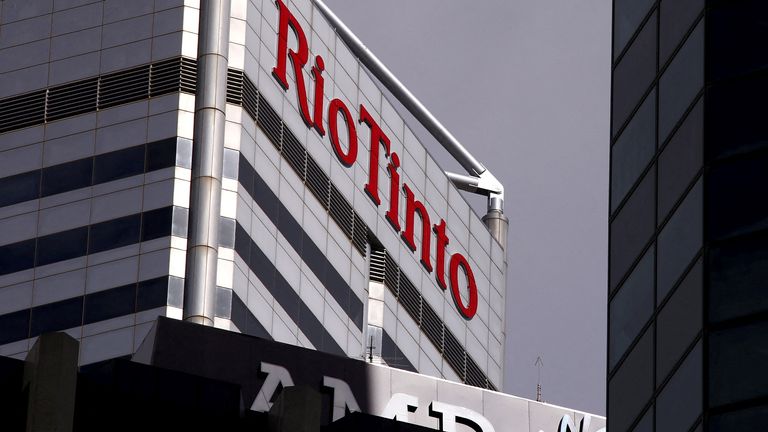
{"x":370,"y":351}
{"x":539,"y":364}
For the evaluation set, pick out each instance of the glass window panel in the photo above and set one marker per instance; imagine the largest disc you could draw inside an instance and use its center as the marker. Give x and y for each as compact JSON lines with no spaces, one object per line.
{"x":632,"y":386}
{"x":631,"y":307}
{"x":14,"y":326}
{"x":67,"y":177}
{"x":627,"y":16}
{"x":679,"y":322}
{"x":738,"y":274}
{"x":680,"y":240}
{"x":19,"y":188}
{"x":736,"y":197}
{"x":634,"y":74}
{"x":62,"y":246}
{"x":226,"y":232}
{"x":17,"y":256}
{"x":231,"y":159}
{"x":633,"y":150}
{"x":681,"y":82}
{"x":161,"y":154}
{"x":118,"y":164}
{"x":646,"y":423}
{"x":679,"y":403}
{"x":748,"y":419}
{"x":681,"y":159}
{"x":57,"y":316}
{"x":152,"y":294}
{"x":734,"y":35}
{"x":224,"y":302}
{"x":632,"y":227}
{"x":737,"y":364}
{"x":175,"y":291}
{"x":114,"y":233}
{"x":735,"y":117}
{"x":180,"y":221}
{"x":675,"y":20}
{"x":109,"y":304}
{"x":157,"y":223}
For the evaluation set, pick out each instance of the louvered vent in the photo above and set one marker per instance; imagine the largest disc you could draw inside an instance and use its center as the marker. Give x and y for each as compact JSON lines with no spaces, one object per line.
{"x":318,"y":182}
{"x":432,"y":326}
{"x":21,"y":111}
{"x":235,"y":86}
{"x":341,"y":211}
{"x":166,"y":77}
{"x":250,"y":97}
{"x":391,"y":275}
{"x":455,"y":354}
{"x":475,"y":375}
{"x":410,"y":299}
{"x":269,"y":121}
{"x":124,"y":86}
{"x":188,"y":81}
{"x":72,"y":99}
{"x":378,"y":264}
{"x":294,"y":153}
{"x":359,"y":234}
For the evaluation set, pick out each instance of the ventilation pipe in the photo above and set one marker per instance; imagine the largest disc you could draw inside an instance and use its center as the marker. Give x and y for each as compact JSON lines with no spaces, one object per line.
{"x":479,"y":180}
{"x":207,"y":162}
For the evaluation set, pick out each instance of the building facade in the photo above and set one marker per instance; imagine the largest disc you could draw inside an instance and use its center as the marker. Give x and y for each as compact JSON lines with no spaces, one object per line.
{"x":687,"y":312}
{"x":336,"y":229}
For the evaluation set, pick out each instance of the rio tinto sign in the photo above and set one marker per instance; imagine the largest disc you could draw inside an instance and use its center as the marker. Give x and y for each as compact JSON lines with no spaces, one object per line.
{"x":340,"y":116}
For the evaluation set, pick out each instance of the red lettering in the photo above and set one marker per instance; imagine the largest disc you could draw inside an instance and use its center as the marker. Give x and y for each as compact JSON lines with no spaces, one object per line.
{"x":377,"y":137}
{"x":394,"y":192}
{"x":413,"y":206}
{"x":317,"y":71}
{"x":299,"y":59}
{"x":350,"y":156}
{"x":458,"y":260}
{"x":442,"y":242}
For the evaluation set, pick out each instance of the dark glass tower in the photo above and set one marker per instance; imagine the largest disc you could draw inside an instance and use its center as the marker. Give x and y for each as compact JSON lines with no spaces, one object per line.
{"x":688,"y":269}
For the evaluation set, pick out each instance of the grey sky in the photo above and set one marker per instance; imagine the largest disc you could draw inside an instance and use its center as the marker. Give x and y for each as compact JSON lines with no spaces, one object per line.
{"x":525,"y":86}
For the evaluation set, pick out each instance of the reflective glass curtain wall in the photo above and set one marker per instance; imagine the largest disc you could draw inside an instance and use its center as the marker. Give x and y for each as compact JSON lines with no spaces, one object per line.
{"x":688,"y":259}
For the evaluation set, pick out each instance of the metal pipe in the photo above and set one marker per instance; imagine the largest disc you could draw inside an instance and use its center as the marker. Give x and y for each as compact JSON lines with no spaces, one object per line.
{"x":207,"y":162}
{"x":409,"y":101}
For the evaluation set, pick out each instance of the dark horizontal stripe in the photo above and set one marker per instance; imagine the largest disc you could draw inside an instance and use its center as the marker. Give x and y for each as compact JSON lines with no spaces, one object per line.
{"x":77,"y":242}
{"x":392,"y":355}
{"x":89,"y":171}
{"x":97,"y":93}
{"x":244,"y":319}
{"x":82,"y":310}
{"x":300,"y":241}
{"x":283,"y":293}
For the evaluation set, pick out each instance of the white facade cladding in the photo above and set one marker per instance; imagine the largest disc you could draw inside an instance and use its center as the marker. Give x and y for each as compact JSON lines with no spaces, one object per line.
{"x":305,"y":255}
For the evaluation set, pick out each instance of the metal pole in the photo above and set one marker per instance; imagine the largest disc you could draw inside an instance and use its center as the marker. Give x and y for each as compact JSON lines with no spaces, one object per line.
{"x":207,"y":162}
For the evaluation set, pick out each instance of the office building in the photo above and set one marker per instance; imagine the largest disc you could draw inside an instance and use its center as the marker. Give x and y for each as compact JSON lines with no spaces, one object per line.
{"x":259,"y":182}
{"x":687,"y":322}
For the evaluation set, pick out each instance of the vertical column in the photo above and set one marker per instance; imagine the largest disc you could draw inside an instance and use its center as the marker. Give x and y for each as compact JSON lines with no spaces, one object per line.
{"x":207,"y":161}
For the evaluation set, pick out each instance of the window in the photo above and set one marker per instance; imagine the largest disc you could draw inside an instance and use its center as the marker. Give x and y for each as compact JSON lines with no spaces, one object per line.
{"x":111,"y":303}
{"x":681,"y":160}
{"x":680,"y":240}
{"x":646,"y":423}
{"x":19,"y":188}
{"x":735,"y":117}
{"x":675,"y":20}
{"x":631,"y":307}
{"x":634,"y":74}
{"x":17,"y":256}
{"x":627,"y":16}
{"x":226,"y":232}
{"x":62,"y":246}
{"x":66,"y":177}
{"x":737,"y":359}
{"x":749,"y":419}
{"x":57,"y":316}
{"x":633,"y":150}
{"x":681,"y":82}
{"x":738,"y":271}
{"x":161,"y":154}
{"x":156,"y":223}
{"x":734,"y":38}
{"x":152,"y":293}
{"x":632,"y":228}
{"x":679,"y":322}
{"x":14,"y":326}
{"x":118,"y":164}
{"x":736,"y":192}
{"x":114,"y":233}
{"x":679,"y":403}
{"x":632,"y":386}
{"x":180,"y":222}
